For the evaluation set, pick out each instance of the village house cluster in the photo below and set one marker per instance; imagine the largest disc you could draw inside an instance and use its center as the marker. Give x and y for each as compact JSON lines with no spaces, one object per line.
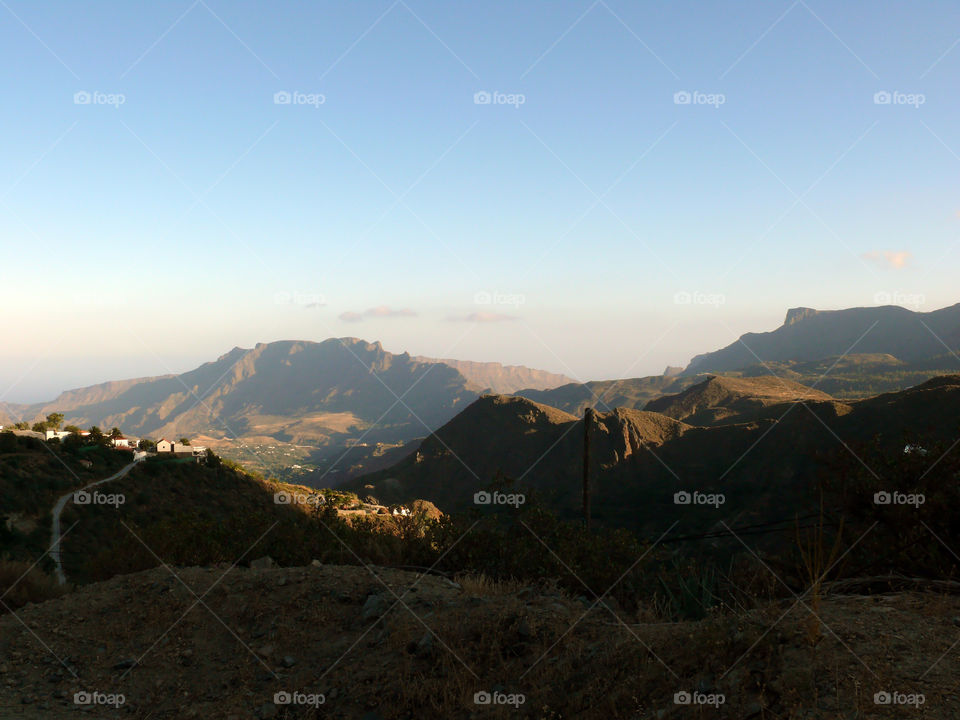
{"x":163,"y":446}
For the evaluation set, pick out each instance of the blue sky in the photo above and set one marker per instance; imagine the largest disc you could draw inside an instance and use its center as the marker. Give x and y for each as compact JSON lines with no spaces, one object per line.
{"x":148,"y":235}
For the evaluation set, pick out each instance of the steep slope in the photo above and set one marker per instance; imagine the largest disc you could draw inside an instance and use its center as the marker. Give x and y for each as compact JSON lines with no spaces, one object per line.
{"x":766,"y":467}
{"x":501,"y":379}
{"x":813,"y":334}
{"x":289,"y":391}
{"x":501,"y":439}
{"x":727,"y":399}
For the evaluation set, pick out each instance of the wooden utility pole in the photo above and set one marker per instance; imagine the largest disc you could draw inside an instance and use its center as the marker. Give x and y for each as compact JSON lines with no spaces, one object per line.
{"x":587,"y":422}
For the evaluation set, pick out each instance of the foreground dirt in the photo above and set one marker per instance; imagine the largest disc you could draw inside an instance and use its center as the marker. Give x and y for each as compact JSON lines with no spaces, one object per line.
{"x":338,"y":642}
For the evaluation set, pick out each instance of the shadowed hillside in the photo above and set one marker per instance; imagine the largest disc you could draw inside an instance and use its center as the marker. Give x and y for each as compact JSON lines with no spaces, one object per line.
{"x":607,"y":394}
{"x":814,"y":334}
{"x":765,"y":467}
{"x":725,"y":400}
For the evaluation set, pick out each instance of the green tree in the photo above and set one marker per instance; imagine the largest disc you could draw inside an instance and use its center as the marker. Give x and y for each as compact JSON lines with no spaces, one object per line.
{"x":147,"y":444}
{"x":115,"y":433}
{"x":54,"y":421}
{"x":184,"y":441}
{"x":39,"y":427}
{"x":73,"y":429}
{"x":21,"y":425}
{"x":96,"y":434}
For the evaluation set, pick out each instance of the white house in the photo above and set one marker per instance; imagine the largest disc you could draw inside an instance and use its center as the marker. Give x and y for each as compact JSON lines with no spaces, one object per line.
{"x":164,"y":446}
{"x":121,"y":442}
{"x":58,"y":434}
{"x":181,"y":448}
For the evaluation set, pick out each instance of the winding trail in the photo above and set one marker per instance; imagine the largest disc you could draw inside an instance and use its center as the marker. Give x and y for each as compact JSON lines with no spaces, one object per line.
{"x":58,"y":509}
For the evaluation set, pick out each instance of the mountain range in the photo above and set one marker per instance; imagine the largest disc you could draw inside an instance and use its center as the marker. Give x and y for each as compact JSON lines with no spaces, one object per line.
{"x":291,"y":402}
{"x":295,"y":392}
{"x":808,"y":334}
{"x":763,"y":447}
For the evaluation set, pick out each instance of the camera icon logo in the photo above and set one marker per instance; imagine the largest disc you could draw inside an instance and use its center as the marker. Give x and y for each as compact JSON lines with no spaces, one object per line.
{"x":282,"y":498}
{"x":482,"y":97}
{"x":482,"y":298}
{"x":81,"y":98}
{"x":281,"y":98}
{"x":482,"y":498}
{"x":482,"y":698}
{"x":681,"y":97}
{"x":82,"y":698}
{"x":882,"y":698}
{"x":682,"y":498}
{"x":282,"y":698}
{"x":682,"y":698}
{"x":882,"y":498}
{"x":682,"y":298}
{"x":881,"y":98}
{"x":81,"y":497}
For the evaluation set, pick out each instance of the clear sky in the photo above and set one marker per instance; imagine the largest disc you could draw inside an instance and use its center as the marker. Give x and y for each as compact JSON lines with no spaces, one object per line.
{"x":178,"y":207}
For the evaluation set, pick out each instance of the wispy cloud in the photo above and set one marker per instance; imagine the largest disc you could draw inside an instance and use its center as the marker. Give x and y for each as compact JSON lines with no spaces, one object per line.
{"x":483,"y":317}
{"x":381,"y":311}
{"x":890,"y":259}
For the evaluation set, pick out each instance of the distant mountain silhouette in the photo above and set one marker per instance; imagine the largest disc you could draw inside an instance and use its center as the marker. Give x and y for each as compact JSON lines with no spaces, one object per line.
{"x":289,"y":391}
{"x":493,"y":377}
{"x":808,"y":334}
{"x":292,"y":391}
{"x":605,"y":395}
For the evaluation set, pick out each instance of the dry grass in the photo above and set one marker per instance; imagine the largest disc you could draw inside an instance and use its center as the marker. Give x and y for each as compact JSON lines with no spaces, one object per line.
{"x":482,"y":585}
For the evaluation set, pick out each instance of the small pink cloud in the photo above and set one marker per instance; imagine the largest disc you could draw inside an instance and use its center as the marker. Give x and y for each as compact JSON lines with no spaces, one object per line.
{"x":891,"y":259}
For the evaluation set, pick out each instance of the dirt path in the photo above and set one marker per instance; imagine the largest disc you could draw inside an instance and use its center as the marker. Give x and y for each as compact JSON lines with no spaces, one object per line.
{"x":58,"y":509}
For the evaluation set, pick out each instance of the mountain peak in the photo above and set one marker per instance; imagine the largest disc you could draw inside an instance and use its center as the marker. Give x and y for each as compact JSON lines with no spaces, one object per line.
{"x":795,"y":315}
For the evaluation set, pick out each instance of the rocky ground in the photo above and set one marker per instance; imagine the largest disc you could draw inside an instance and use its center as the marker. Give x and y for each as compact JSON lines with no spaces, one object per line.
{"x":333,"y":640}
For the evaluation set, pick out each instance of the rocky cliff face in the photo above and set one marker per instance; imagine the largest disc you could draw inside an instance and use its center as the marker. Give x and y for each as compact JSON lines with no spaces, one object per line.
{"x":817,"y":334}
{"x":795,"y":315}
